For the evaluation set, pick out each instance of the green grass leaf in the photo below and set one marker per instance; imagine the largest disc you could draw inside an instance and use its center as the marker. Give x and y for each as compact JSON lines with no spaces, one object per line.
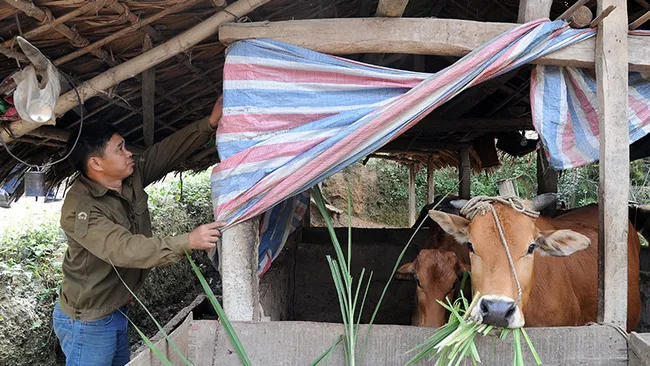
{"x":230,"y":331}
{"x":160,"y":328}
{"x":153,"y":347}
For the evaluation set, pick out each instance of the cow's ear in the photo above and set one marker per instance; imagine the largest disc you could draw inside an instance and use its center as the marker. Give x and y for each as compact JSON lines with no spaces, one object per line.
{"x":561,"y":243}
{"x":455,"y":226}
{"x":406,"y":272}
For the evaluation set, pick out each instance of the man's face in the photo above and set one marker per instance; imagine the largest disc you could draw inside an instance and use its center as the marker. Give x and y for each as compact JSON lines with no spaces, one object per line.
{"x":117,"y":162}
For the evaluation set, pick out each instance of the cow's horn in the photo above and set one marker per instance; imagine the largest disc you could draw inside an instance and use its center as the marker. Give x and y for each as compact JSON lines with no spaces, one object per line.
{"x":543,"y":201}
{"x":34,"y":55}
{"x":459,"y":204}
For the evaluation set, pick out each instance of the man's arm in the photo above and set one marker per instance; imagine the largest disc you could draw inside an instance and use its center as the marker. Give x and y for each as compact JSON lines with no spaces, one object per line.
{"x":162,"y":157}
{"x":114,"y":244}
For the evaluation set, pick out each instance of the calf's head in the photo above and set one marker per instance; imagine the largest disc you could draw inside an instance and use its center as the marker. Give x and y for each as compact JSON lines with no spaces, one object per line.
{"x":435,"y":271}
{"x":492,"y":273}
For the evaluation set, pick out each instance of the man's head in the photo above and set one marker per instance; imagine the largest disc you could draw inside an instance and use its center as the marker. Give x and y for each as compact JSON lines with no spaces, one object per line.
{"x":100,"y":152}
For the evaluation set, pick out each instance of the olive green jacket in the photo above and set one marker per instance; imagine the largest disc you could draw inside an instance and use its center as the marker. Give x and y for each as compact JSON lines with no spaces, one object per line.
{"x":103,"y":227}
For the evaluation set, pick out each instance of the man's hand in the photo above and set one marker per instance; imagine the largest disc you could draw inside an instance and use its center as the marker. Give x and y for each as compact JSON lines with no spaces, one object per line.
{"x":205,"y":236}
{"x":217,"y":110}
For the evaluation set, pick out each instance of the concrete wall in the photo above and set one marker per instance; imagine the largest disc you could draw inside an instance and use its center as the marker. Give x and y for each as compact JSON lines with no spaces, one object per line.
{"x":300,"y":343}
{"x":639,"y":349}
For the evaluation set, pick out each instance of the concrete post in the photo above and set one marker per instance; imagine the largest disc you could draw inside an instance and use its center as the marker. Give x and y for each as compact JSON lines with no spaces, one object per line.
{"x":239,"y":259}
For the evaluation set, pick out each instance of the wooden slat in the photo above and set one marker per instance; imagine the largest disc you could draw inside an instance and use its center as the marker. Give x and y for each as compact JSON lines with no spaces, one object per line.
{"x":148,"y":98}
{"x":443,"y":37}
{"x":612,"y":80}
{"x":412,"y":198}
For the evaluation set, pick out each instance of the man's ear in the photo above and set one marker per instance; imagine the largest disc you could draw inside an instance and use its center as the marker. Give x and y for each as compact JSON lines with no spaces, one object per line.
{"x":406,"y":272}
{"x":455,"y":226}
{"x":561,"y":243}
{"x":94,"y":163}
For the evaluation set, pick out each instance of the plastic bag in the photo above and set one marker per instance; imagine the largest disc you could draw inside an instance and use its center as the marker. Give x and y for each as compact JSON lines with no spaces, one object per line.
{"x":35,"y":102}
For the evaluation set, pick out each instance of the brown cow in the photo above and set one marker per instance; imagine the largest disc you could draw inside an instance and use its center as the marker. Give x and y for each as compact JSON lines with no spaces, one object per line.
{"x":556,"y":291}
{"x":437,"y":268}
{"x":437,"y":273}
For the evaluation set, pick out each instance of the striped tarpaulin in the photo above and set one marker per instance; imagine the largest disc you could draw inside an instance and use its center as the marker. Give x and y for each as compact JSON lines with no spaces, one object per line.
{"x":293,"y":117}
{"x":565,"y":112}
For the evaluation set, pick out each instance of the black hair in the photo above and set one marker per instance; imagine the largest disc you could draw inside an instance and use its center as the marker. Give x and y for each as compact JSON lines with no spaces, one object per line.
{"x":92,"y":142}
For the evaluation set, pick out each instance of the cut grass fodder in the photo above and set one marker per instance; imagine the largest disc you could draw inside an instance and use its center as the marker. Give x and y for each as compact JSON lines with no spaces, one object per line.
{"x":456,"y":340}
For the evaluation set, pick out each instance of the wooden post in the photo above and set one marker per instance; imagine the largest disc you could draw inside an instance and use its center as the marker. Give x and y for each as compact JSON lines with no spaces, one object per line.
{"x":412,"y":208}
{"x":148,"y":97}
{"x":508,"y":188}
{"x":431,"y":186}
{"x":464,"y":173}
{"x":612,"y":80}
{"x":530,"y":10}
{"x":546,"y":179}
{"x":306,"y":219}
{"x":391,"y":8}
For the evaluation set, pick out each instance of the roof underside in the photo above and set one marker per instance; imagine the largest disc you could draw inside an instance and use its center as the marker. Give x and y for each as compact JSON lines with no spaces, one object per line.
{"x":187,"y":85}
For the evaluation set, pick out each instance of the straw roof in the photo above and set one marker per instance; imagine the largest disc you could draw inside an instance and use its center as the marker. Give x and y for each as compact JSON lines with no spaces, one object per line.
{"x":187,"y":85}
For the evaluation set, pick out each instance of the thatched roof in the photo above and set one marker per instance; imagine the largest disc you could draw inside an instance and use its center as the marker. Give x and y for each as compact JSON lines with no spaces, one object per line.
{"x":188,"y":84}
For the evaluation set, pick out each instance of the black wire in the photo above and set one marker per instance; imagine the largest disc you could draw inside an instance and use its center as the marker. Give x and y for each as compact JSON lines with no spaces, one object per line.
{"x":81,"y":122}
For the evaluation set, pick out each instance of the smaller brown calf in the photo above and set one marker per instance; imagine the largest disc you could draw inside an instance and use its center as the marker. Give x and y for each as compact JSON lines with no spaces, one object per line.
{"x":437,"y":273}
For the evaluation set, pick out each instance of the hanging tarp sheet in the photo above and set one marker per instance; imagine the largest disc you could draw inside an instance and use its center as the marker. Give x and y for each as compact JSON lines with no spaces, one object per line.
{"x":293,"y":117}
{"x":565,"y":112}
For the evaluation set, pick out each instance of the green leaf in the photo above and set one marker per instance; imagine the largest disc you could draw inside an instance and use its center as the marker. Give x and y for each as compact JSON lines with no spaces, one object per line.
{"x":160,"y":328}
{"x":531,"y":347}
{"x":328,"y":351}
{"x":230,"y":331}
{"x":146,"y":340}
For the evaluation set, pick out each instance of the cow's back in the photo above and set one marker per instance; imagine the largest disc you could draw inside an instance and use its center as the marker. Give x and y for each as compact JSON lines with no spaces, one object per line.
{"x":565,"y":289}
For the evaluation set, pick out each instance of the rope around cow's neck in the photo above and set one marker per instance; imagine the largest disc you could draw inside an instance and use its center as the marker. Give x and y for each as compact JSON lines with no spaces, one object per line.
{"x":482,"y":204}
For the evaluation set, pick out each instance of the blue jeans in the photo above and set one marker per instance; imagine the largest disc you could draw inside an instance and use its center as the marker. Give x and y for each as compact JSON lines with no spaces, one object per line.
{"x":96,"y":342}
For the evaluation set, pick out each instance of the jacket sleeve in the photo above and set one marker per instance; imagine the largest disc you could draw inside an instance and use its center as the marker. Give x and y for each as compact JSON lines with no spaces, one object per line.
{"x":162,"y":157}
{"x":113,"y":243}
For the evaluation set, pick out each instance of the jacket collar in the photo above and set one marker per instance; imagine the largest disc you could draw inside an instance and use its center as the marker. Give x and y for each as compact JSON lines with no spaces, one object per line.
{"x":96,"y":189}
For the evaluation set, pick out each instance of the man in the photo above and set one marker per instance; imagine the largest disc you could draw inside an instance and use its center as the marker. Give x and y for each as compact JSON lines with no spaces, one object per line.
{"x":106,"y":221}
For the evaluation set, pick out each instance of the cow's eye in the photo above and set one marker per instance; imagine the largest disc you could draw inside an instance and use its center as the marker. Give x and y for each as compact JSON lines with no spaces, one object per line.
{"x":470,"y":247}
{"x":531,"y":248}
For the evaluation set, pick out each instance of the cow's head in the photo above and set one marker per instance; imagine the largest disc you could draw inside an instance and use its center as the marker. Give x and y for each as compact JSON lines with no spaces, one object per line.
{"x":435,"y":271}
{"x":492,"y":276}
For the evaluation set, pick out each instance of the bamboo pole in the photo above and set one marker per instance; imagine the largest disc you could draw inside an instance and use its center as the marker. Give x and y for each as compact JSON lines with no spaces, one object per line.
{"x":148,"y":98}
{"x":174,"y":9}
{"x":140,"y":63}
{"x":60,"y":20}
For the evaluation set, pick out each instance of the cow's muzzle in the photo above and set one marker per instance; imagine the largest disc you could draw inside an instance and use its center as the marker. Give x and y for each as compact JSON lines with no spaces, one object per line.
{"x":499,"y":311}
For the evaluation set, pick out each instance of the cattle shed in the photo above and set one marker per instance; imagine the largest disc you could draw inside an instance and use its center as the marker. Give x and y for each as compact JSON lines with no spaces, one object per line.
{"x":152,"y":67}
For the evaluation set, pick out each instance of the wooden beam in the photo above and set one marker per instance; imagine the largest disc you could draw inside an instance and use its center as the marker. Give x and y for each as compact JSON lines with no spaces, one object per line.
{"x":431,"y":185}
{"x":391,"y":8}
{"x":464,"y":174}
{"x":443,"y":37}
{"x":136,"y":65}
{"x":432,"y":125}
{"x":612,"y":79}
{"x":412,"y":198}
{"x":530,"y":10}
{"x":148,"y":97}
